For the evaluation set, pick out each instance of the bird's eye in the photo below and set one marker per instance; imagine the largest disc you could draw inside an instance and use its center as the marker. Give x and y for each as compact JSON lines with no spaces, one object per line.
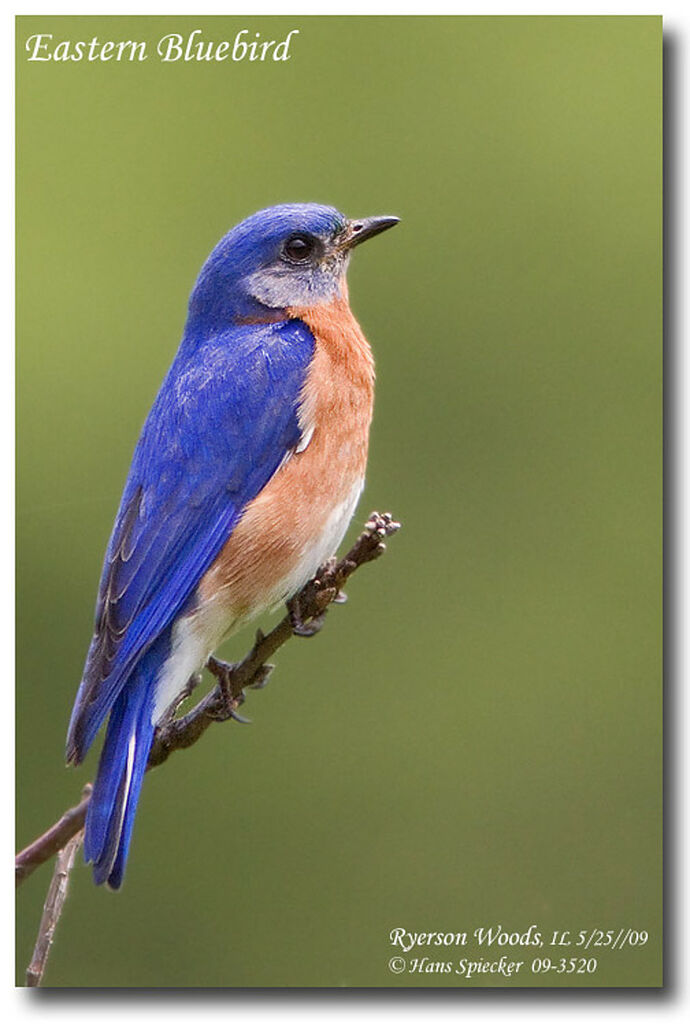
{"x":299,"y":248}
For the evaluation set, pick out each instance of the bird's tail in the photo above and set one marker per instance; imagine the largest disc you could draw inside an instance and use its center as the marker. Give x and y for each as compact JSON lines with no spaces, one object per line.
{"x":113,"y":803}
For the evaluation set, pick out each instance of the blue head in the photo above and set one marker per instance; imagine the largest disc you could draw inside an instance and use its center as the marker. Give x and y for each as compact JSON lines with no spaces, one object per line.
{"x":294,"y":255}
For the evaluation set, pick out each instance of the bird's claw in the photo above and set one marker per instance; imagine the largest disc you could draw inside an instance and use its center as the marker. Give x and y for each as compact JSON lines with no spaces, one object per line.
{"x":227,"y":707}
{"x":223,"y":671}
{"x":312,"y":628}
{"x":240,"y":719}
{"x":299,"y":626}
{"x":260,"y":677}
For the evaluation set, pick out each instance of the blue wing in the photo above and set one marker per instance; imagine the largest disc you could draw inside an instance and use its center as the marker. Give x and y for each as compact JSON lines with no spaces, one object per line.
{"x":223,"y":422}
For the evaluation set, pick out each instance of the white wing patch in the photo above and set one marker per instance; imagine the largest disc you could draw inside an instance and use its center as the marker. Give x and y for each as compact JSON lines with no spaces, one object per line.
{"x":307,"y":435}
{"x":306,"y":415}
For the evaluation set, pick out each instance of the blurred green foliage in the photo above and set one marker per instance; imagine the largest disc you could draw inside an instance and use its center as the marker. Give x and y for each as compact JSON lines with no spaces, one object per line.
{"x":476,"y":737}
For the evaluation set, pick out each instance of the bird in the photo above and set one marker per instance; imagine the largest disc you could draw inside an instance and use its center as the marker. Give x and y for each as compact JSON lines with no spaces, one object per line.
{"x":242,"y":484}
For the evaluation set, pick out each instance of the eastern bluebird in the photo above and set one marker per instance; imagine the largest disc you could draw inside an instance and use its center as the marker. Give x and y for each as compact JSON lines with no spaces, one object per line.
{"x":243,"y":482}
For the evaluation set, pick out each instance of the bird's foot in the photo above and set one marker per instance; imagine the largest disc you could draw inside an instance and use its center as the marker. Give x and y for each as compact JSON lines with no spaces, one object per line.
{"x":223,"y":671}
{"x":299,"y":626}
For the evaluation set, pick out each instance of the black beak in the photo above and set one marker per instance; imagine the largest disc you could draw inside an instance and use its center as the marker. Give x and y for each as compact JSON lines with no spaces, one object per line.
{"x":359,"y":230}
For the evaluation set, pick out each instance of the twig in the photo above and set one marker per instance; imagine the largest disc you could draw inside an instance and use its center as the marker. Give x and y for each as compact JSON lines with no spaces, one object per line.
{"x":222,"y":702}
{"x":52,"y":908}
{"x":52,"y":841}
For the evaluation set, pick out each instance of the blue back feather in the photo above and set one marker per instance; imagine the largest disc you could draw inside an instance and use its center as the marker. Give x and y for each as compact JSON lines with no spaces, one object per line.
{"x":223,"y":421}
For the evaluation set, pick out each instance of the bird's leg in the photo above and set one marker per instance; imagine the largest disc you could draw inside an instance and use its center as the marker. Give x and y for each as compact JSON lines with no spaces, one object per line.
{"x":223,"y":671}
{"x":299,"y":627}
{"x":189,"y":688}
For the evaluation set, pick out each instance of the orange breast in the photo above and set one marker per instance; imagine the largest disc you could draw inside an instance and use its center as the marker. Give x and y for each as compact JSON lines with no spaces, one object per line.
{"x":281,"y":531}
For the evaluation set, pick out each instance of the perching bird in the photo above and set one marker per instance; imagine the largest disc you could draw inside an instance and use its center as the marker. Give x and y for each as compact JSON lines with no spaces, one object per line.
{"x":243,"y":482}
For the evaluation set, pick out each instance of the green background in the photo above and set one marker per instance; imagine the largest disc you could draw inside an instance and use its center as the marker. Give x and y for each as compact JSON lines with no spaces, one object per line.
{"x":475,"y":739}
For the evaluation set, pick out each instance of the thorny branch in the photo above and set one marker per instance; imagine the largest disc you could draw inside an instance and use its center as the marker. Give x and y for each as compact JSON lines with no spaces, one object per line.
{"x":305,"y":617}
